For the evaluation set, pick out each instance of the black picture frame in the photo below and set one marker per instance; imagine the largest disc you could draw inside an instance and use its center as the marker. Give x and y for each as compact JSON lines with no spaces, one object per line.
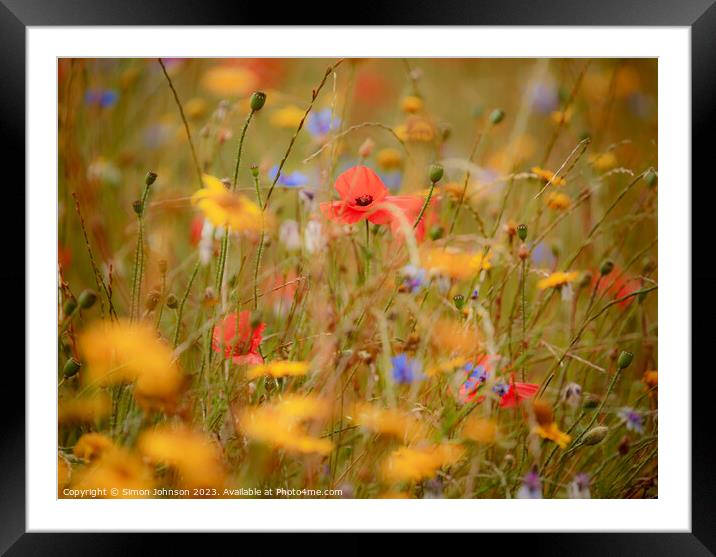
{"x":699,"y":15}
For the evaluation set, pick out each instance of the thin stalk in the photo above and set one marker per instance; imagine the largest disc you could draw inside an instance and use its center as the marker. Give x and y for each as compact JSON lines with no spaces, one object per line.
{"x":425,"y":205}
{"x":180,"y":311}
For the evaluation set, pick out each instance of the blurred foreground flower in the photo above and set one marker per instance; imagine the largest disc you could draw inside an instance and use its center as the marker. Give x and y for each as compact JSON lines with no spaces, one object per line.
{"x":419,"y":463}
{"x":279,"y":368}
{"x":531,"y":486}
{"x":395,"y":423}
{"x":229,"y":81}
{"x":546,"y":426}
{"x":282,"y":424}
{"x":557,"y":279}
{"x":455,"y":264}
{"x":406,"y":370}
{"x":547,"y":176}
{"x":92,"y":445}
{"x":84,"y":409}
{"x":225,"y":208}
{"x":118,"y":472}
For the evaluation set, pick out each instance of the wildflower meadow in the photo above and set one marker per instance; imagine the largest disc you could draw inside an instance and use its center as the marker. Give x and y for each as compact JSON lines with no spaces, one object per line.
{"x":357,"y":278}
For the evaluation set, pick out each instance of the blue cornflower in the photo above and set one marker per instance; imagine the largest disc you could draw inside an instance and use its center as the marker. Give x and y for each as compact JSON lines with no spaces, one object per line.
{"x":633,"y":420}
{"x":405,"y":370}
{"x":292,"y":180}
{"x":320,"y":123}
{"x":501,"y":388}
{"x":545,"y":97}
{"x":542,"y":255}
{"x":414,"y":278}
{"x":531,"y":486}
{"x":103,"y":98}
{"x":475,"y":376}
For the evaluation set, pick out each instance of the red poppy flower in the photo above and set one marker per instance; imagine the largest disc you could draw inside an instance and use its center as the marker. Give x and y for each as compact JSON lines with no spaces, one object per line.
{"x":618,"y":287}
{"x":237,"y":339}
{"x":197,"y":225}
{"x":517,"y":393}
{"x":364,"y":196}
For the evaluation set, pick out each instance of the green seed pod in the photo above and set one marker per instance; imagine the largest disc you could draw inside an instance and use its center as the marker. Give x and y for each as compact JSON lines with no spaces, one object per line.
{"x":650,"y":177}
{"x":607,"y":267}
{"x":150,"y":178}
{"x":258,"y":99}
{"x":595,"y":435}
{"x":436,"y":232}
{"x":641,"y":297}
{"x":435,"y":173}
{"x":625,"y":359}
{"x":591,"y":402}
{"x":87,"y":299}
{"x":255,"y":320}
{"x":585,"y":280}
{"x":255,"y":170}
{"x":137,"y":206}
{"x":497,"y":116}
{"x":522,"y":232}
{"x":172,"y":301}
{"x":458,"y":300}
{"x":71,"y":368}
{"x":69,"y":306}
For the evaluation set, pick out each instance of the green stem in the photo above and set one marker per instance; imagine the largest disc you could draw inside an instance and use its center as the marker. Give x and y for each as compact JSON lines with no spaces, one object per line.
{"x":425,"y":205}
{"x":180,"y":311}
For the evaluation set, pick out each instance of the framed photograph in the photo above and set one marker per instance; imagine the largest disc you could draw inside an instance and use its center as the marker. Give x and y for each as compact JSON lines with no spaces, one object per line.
{"x":411,"y":277}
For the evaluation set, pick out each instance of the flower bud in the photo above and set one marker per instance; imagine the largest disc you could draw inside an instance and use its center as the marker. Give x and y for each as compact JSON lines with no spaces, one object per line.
{"x":69,"y":306}
{"x":625,"y":359}
{"x":595,"y":435}
{"x":591,"y":402}
{"x":445,"y":131}
{"x":607,"y":267}
{"x":152,"y":300}
{"x":624,"y":445}
{"x":497,"y":116}
{"x":87,"y":299}
{"x":650,"y":177}
{"x":258,"y":99}
{"x":458,"y":300}
{"x":71,"y":368}
{"x":172,"y":301}
{"x":255,"y":170}
{"x":162,"y":266}
{"x":366,"y":148}
{"x":585,"y":280}
{"x":150,"y":178}
{"x":522,"y":232}
{"x":137,"y":206}
{"x":436,"y":173}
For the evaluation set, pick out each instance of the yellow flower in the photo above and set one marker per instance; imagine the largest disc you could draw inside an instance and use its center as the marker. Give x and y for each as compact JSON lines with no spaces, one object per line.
{"x":603,"y":161}
{"x":455,"y":264}
{"x":450,"y":337}
{"x":288,"y":117}
{"x":419,"y":463}
{"x":281,"y":425}
{"x":388,"y":422}
{"x":547,"y":175}
{"x":194,"y":456}
{"x":228,"y":81}
{"x":92,"y":445}
{"x":411,"y":104}
{"x":557,"y":279}
{"x":446,"y":367}
{"x":195,"y":108}
{"x":84,"y":409}
{"x":558,"y":201}
{"x":416,"y":129}
{"x":117,"y":469}
{"x":546,"y":427}
{"x":389,"y":159}
{"x":481,"y":430}
{"x":279,"y":368}
{"x":225,"y":208}
{"x":125,"y":352}
{"x":393,"y":495}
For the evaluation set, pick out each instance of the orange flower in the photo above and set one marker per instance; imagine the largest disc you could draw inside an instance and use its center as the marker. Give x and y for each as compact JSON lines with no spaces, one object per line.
{"x":238,"y":339}
{"x":365,"y":197}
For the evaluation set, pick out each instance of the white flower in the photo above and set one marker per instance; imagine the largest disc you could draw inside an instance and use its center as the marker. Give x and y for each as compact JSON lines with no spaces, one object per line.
{"x":289,"y":235}
{"x":206,"y":243}
{"x":313,"y":237}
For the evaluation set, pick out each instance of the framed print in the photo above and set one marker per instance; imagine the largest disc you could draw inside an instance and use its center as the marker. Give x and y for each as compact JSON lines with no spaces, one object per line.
{"x":365,"y":278}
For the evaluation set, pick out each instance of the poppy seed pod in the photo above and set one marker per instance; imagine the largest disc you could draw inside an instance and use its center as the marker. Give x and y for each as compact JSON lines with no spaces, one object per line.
{"x":150,"y":178}
{"x":137,"y":206}
{"x":152,"y":300}
{"x":69,"y":306}
{"x":366,"y":148}
{"x":650,"y":177}
{"x":255,"y":170}
{"x":523,"y":253}
{"x":458,"y":300}
{"x":87,"y":299}
{"x":435,"y":173}
{"x":71,"y":368}
{"x":522,"y":232}
{"x":625,"y":359}
{"x":172,"y":301}
{"x":258,"y":99}
{"x":437,"y":232}
{"x":595,"y":435}
{"x":497,"y":116}
{"x":607,"y":267}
